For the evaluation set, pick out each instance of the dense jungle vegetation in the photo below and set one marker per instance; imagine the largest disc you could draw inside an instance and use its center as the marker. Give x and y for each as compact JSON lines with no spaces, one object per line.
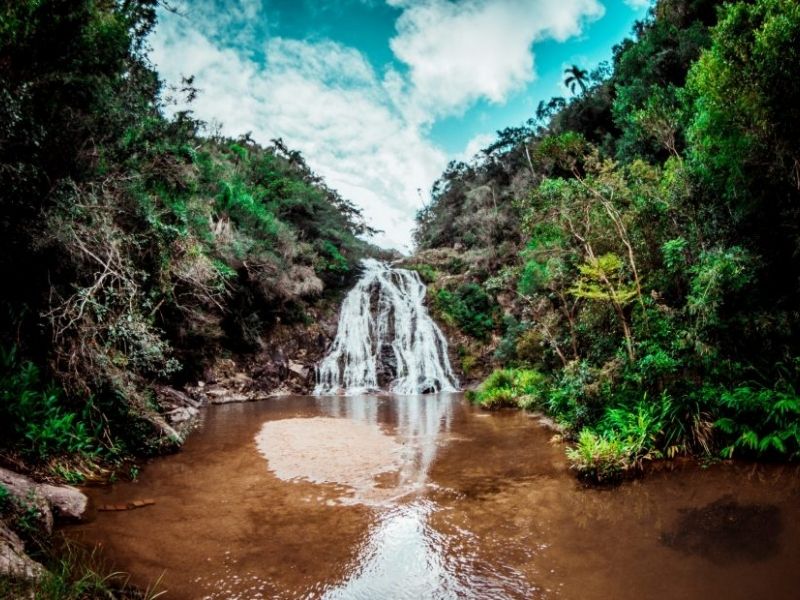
{"x":631,"y":256}
{"x":134,"y":247}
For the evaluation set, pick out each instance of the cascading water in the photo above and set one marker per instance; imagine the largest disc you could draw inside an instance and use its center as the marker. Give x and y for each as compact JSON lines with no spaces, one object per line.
{"x":386,"y":339}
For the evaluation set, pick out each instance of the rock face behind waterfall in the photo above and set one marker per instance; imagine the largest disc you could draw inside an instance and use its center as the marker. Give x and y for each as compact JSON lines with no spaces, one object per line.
{"x":386,"y":339}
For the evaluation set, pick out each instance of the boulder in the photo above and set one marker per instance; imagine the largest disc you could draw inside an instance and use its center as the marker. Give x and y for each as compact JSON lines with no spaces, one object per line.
{"x":62,"y":501}
{"x":298,"y":369}
{"x":66,"y":502}
{"x":13,"y":560}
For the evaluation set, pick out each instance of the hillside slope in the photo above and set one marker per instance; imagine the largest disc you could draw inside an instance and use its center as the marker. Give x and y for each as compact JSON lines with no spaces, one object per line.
{"x":629,"y":256}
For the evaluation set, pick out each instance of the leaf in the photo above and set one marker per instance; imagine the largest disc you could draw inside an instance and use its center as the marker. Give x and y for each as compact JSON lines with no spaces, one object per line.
{"x":725,"y":424}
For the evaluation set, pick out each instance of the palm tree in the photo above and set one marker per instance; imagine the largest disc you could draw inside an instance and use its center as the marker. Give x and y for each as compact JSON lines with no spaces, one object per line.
{"x":576,"y":77}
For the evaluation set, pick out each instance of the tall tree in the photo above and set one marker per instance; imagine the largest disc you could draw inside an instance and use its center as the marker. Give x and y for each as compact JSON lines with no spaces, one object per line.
{"x":576,"y":78}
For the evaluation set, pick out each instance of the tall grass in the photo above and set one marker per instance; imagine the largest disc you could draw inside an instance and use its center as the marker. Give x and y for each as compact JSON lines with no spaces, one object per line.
{"x":77,"y":573}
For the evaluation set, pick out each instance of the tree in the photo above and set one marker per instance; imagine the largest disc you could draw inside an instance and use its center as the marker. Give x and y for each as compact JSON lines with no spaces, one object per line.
{"x":576,"y":78}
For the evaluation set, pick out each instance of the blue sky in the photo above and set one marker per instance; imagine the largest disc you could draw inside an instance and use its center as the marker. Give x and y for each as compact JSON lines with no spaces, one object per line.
{"x":380,"y":94}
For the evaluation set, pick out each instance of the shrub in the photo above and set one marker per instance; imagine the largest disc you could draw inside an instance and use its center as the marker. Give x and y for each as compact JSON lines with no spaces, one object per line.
{"x":33,"y":417}
{"x":640,"y":428}
{"x":518,"y":388}
{"x":760,"y":421}
{"x":601,"y":458}
{"x":426,"y":272}
{"x":498,"y":398}
{"x":5,"y":500}
{"x":469,"y":307}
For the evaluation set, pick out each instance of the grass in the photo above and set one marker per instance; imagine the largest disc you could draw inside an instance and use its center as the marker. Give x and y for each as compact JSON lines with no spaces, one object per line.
{"x":33,"y":413}
{"x":511,"y":388}
{"x":75,"y":573}
{"x":597,"y":457}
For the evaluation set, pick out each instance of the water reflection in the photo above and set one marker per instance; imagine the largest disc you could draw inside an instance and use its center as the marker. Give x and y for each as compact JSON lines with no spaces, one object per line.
{"x":421,"y":423}
{"x":404,"y":556}
{"x":489,"y":510}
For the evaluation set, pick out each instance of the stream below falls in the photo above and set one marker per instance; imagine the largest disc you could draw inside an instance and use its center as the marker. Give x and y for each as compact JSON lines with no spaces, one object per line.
{"x":381,"y":497}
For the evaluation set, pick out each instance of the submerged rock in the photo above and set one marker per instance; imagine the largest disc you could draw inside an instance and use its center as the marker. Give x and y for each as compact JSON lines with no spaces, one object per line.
{"x":726,"y":531}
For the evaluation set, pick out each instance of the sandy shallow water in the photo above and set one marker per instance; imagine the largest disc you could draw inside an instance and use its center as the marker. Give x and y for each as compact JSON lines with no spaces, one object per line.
{"x":427,"y":497}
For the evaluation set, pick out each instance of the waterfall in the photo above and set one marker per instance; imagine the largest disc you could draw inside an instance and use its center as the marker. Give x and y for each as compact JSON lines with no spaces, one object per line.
{"x":386,"y":339}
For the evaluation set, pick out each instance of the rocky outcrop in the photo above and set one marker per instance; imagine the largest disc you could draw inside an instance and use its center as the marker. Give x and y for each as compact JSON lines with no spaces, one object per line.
{"x":14,"y":561}
{"x":48,"y":503}
{"x":285,"y":365}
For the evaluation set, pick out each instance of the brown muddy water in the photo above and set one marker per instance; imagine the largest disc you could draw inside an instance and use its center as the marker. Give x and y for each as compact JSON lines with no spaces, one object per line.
{"x":427,"y":497}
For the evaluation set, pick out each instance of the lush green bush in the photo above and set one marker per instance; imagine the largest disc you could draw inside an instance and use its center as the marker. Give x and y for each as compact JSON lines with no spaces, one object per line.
{"x":598,"y":457}
{"x":33,"y":417}
{"x":469,"y":307}
{"x":516,"y":388}
{"x":427,"y":272}
{"x":760,"y":421}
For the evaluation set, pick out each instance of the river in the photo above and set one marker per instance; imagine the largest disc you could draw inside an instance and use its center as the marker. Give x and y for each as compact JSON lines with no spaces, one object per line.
{"x":380,"y":497}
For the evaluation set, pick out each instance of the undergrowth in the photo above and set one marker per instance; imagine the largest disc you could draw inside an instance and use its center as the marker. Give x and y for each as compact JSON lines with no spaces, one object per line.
{"x":76,"y":573}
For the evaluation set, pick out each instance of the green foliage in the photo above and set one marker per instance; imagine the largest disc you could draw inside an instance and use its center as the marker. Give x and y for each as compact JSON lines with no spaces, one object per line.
{"x":427,"y":273}
{"x":760,"y":421}
{"x":718,"y":273}
{"x":674,"y":254}
{"x":34,"y":419}
{"x":516,"y":388}
{"x":603,"y":278}
{"x":469,"y":307}
{"x":598,"y":458}
{"x":76,"y":573}
{"x":745,"y":104}
{"x":506,"y":351}
{"x":5,"y":500}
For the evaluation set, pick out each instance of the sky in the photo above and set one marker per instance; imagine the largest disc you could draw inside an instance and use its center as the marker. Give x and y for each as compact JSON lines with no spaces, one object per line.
{"x":379,"y":95}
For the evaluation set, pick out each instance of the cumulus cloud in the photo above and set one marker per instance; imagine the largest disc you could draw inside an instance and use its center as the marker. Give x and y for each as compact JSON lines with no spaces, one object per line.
{"x":364,"y":132}
{"x":638,"y":4}
{"x":459,"y":52}
{"x":475,"y":145}
{"x":321,"y":98}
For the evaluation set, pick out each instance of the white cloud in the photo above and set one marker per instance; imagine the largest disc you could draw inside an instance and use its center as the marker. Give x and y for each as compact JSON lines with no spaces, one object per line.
{"x":365,"y":134}
{"x":475,"y":145}
{"x":459,"y":52}
{"x":322,"y":99}
{"x":638,"y":4}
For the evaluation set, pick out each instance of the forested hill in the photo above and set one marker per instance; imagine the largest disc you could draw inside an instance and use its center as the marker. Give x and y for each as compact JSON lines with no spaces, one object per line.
{"x":630,"y":256}
{"x":133,"y":249}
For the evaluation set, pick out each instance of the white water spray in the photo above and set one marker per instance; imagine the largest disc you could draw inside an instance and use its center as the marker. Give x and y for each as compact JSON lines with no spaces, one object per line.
{"x":386,"y":338}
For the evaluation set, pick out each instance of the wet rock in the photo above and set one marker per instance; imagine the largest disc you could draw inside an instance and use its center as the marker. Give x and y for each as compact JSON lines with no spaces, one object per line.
{"x":182,"y":415}
{"x":66,"y":502}
{"x":726,"y":531}
{"x":171,"y":438}
{"x":229,"y":397}
{"x":174,"y":398}
{"x":298,"y":369}
{"x":13,"y":559}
